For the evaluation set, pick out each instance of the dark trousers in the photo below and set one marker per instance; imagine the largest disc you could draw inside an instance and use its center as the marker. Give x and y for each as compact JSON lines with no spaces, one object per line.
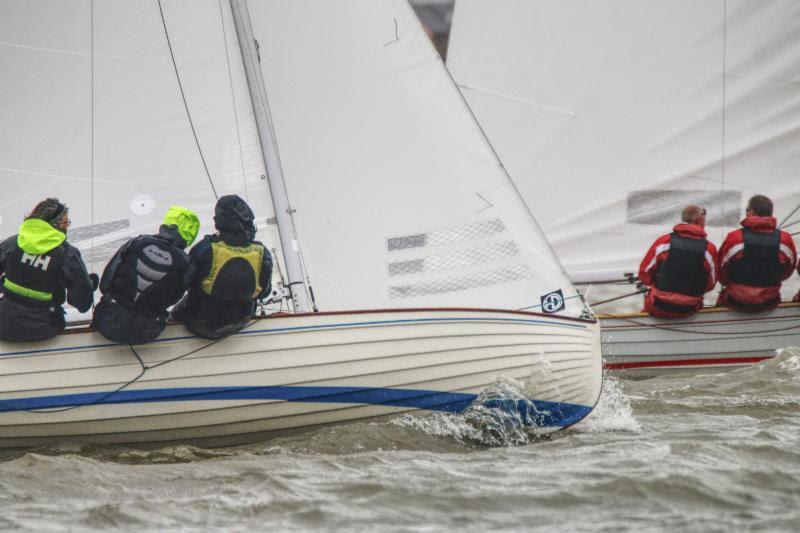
{"x":125,"y":325}
{"x":21,"y":322}
{"x":212,"y":319}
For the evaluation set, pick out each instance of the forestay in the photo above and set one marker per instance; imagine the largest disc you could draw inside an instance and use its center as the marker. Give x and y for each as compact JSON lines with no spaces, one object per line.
{"x":611,"y":116}
{"x":94,"y":114}
{"x":400,"y":202}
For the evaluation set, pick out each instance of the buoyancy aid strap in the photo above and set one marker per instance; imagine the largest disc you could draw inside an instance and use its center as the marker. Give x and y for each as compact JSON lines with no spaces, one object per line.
{"x":223,"y":252}
{"x":28,"y":293}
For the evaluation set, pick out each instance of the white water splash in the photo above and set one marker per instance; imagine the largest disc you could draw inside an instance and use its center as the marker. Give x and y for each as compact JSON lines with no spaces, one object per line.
{"x":612,"y":413}
{"x":482,"y":425}
{"x":789,"y":359}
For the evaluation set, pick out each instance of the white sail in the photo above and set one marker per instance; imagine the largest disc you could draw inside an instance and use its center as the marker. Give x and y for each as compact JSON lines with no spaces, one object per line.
{"x":99,"y":117}
{"x":400,"y":201}
{"x":611,"y":116}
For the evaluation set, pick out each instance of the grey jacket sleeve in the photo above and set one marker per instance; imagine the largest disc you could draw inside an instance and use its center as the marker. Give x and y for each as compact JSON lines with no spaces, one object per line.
{"x":5,"y":249}
{"x":76,"y":280}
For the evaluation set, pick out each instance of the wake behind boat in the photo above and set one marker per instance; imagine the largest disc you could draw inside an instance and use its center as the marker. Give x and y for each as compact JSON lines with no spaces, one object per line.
{"x":366,"y":172}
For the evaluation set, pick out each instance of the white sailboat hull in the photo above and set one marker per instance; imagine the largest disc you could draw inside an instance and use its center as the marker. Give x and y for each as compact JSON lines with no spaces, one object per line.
{"x":640,"y":345}
{"x":290,"y":372}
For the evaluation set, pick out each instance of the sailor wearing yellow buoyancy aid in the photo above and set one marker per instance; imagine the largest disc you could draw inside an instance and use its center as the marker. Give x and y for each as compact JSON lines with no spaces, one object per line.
{"x":146,"y":276}
{"x":40,"y":271}
{"x":233,"y":272}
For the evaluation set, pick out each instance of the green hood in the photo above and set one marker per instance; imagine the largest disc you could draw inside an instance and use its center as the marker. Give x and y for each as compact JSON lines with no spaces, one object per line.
{"x":38,"y":237}
{"x":186,"y":220}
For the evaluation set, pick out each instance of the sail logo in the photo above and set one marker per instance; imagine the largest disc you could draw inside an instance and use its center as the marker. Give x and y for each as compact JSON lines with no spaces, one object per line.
{"x":36,"y":261}
{"x":553,"y":302}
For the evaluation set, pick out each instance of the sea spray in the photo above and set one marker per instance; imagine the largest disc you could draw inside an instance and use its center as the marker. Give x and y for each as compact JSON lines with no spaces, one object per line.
{"x":612,"y":413}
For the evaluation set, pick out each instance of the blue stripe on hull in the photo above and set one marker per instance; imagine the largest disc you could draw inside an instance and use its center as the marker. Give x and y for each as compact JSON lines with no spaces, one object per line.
{"x":532,"y":412}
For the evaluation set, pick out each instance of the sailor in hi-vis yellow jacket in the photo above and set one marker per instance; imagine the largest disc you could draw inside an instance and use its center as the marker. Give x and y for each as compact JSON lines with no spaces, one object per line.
{"x":41,"y":271}
{"x":233,"y":272}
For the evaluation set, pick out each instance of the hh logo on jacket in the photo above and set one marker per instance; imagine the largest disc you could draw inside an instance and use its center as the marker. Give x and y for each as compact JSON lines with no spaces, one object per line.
{"x":36,"y":261}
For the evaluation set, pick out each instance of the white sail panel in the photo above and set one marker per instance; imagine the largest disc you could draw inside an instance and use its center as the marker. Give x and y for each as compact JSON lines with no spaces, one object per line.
{"x":100,"y":119}
{"x":611,"y":116}
{"x":45,"y":105}
{"x":399,"y":200}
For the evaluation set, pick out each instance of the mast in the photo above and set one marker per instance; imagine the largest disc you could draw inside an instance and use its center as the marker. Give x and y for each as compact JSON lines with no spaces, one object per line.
{"x":269,"y":150}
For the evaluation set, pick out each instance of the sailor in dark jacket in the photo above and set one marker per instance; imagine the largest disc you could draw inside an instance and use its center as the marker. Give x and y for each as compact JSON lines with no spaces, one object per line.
{"x":40,"y":271}
{"x":679,"y":268}
{"x":145,"y":277}
{"x":233,"y":273}
{"x":755,"y":260}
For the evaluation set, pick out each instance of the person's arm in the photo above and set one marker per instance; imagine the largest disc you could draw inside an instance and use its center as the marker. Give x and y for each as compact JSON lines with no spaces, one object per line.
{"x":265,"y":279}
{"x":787,"y":255}
{"x":113,"y":266}
{"x":190,"y":273}
{"x":200,"y":256}
{"x":649,"y":265}
{"x":710,"y":264}
{"x":5,"y":249}
{"x":75,"y":278}
{"x":732,"y":245}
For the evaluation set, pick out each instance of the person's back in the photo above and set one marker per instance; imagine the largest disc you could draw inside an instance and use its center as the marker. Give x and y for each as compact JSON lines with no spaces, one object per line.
{"x":679,"y":268}
{"x":40,"y":272}
{"x":233,"y":272}
{"x":755,"y":259}
{"x":145,"y":277}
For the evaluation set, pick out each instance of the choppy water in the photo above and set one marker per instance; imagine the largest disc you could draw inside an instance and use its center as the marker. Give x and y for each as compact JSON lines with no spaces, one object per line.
{"x":716,"y":452}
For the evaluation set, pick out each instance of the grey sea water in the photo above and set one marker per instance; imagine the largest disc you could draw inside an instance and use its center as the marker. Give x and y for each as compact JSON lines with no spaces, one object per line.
{"x":715,"y":452}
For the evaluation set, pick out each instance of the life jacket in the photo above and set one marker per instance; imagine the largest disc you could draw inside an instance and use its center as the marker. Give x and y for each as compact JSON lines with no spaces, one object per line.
{"x":683,"y":271}
{"x":235,"y":272}
{"x":150,"y":278}
{"x":34,"y":278}
{"x":760,"y":265}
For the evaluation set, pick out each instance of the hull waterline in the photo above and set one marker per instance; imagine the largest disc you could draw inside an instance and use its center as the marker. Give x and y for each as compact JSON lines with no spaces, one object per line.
{"x":291,"y":372}
{"x":717,"y":338}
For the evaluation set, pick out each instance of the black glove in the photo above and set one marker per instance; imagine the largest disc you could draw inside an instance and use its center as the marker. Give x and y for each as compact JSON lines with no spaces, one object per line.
{"x":95,"y":279}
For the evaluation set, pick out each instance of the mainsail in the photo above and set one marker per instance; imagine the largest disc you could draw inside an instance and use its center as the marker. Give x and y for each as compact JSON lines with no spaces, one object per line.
{"x":400,"y":201}
{"x":121,"y":109}
{"x":611,"y":116}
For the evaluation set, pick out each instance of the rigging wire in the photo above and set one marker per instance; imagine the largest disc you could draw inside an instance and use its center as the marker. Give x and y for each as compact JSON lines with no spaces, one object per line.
{"x":233,"y":98}
{"x":144,"y":368}
{"x":724,"y":93}
{"x":788,"y":217}
{"x":46,"y":410}
{"x":91,"y":129}
{"x":185,"y":104}
{"x":640,"y":291}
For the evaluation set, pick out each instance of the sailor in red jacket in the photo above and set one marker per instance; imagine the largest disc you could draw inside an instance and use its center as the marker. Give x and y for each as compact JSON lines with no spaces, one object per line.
{"x":679,"y":268}
{"x":754,"y":260}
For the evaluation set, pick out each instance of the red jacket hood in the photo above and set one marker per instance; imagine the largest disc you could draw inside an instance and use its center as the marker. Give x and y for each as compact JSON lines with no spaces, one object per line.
{"x":760,"y":223}
{"x":690,"y":230}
